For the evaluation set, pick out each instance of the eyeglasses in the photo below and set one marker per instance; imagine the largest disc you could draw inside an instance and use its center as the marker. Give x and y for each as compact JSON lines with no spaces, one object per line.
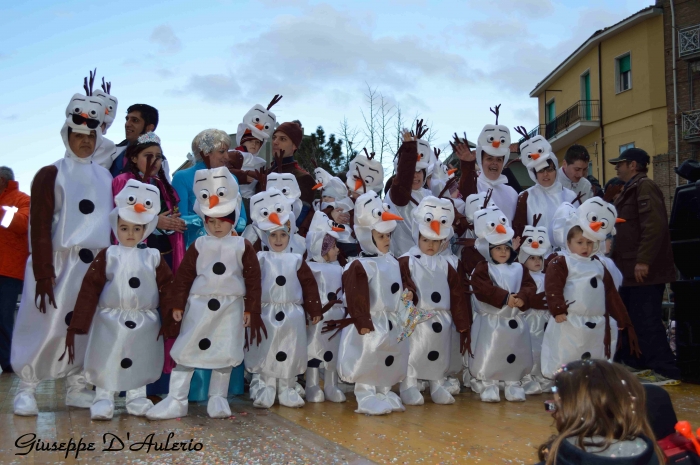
{"x":91,"y":123}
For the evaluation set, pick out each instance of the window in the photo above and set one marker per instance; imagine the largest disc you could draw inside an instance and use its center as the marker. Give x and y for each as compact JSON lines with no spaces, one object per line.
{"x":623,"y":73}
{"x":626,"y":146}
{"x":550,"y":113}
{"x":590,"y":168}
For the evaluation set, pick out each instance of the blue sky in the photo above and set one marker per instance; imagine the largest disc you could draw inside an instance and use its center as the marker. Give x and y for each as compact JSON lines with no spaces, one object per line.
{"x":204,"y":64}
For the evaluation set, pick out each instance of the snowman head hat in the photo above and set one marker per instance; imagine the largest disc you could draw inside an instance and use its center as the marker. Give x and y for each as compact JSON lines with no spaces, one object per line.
{"x":320,"y":227}
{"x":535,"y":153}
{"x":475,"y":202}
{"x":493,"y":140}
{"x":371,"y":214}
{"x":217,"y":194}
{"x":137,"y":203}
{"x":597,"y":220}
{"x":433,"y":218}
{"x":259,"y":122}
{"x":110,"y":102}
{"x":535,"y":241}
{"x":271,"y":210}
{"x":365,"y":173}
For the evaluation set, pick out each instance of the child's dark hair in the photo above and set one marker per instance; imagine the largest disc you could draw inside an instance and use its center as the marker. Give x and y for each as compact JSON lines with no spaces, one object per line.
{"x":572,"y":232}
{"x":576,"y":153}
{"x":132,"y":151}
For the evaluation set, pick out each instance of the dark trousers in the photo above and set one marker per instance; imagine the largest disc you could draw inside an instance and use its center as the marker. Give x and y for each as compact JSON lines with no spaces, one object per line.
{"x":10,"y":289}
{"x":644,"y":307}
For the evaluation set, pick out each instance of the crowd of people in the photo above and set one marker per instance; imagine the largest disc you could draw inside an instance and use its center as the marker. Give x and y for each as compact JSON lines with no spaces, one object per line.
{"x":234,"y":269}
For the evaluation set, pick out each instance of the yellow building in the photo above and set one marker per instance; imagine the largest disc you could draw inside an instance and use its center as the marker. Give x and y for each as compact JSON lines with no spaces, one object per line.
{"x":610,"y":94}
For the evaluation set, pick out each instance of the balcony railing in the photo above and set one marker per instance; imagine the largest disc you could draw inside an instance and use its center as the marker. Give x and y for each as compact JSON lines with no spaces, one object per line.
{"x":583,"y":110}
{"x":689,"y":41}
{"x":691,"y":124}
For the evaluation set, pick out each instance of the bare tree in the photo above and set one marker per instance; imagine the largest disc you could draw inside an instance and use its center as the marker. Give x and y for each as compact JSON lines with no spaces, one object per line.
{"x":349,"y":136}
{"x":384,"y":118}
{"x":399,"y":124}
{"x":370,"y":120}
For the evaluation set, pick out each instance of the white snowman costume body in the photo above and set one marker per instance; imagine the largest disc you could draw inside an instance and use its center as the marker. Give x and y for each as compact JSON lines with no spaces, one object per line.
{"x":123,"y":352}
{"x":82,"y":201}
{"x":500,"y":336}
{"x":283,"y":355}
{"x":322,"y":350}
{"x":536,"y":243}
{"x":374,"y":361}
{"x":585,"y":296}
{"x":212,"y":334}
{"x":431,"y":344}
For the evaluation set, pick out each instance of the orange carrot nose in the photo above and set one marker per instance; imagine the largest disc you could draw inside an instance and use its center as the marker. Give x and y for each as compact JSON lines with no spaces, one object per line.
{"x":139,"y":208}
{"x":435,"y":226}
{"x":106,"y":111}
{"x":501,"y":229}
{"x":535,"y":245}
{"x":496,"y":144}
{"x":319,"y":185}
{"x":596,"y":225}
{"x":386,"y":216}
{"x":418,"y":157}
{"x":275,"y":219}
{"x":535,"y":156}
{"x":260,"y":127}
{"x":620,"y":220}
{"x":451,"y":171}
{"x":213,"y":201}
{"x":84,"y":115}
{"x":337,"y":229}
{"x":358,"y":184}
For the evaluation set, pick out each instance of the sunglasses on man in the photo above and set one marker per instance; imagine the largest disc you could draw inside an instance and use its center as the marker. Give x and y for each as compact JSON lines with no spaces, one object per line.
{"x":91,"y":123}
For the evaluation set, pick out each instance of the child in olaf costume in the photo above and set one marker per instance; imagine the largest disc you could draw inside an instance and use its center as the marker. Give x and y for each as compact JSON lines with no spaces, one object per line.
{"x":434,"y":286}
{"x":69,"y":225}
{"x":581,"y":294}
{"x":492,"y":151}
{"x":465,"y":246}
{"x":291,"y":293}
{"x":218,"y":285}
{"x":288,"y":186}
{"x":440,"y":175}
{"x":408,"y":186}
{"x":533,"y":250}
{"x":370,"y":355}
{"x":542,"y":199}
{"x":502,"y":291}
{"x":252,"y":134}
{"x":334,"y":193}
{"x":118,"y":306}
{"x":322,"y":350}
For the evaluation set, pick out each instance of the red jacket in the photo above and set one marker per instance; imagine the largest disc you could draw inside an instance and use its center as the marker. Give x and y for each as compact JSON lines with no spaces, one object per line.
{"x":14,"y":239}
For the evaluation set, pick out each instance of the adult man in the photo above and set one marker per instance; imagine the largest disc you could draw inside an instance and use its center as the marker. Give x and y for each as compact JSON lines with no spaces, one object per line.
{"x":644,"y":256}
{"x":140,"y":119}
{"x":14,"y":250}
{"x":286,"y":140}
{"x":574,"y":169}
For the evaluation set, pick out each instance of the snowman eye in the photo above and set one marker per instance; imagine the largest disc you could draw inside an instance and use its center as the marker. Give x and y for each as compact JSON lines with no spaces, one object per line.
{"x":503,"y":220}
{"x":92,"y":113}
{"x":492,"y":224}
{"x":279,"y":208}
{"x":264,"y":212}
{"x":592,"y":217}
{"x":503,"y":140}
{"x":490,"y":139}
{"x":529,"y":156}
{"x":540,"y":150}
{"x":443,"y":220}
{"x":267,"y":126}
{"x":77,"y":110}
{"x":369,"y":179}
{"x":386,"y":207}
{"x":221,"y":191}
{"x":529,"y":240}
{"x":541,"y":241}
{"x":428,"y":217}
{"x":148,"y":203}
{"x":605,"y":223}
{"x":204,"y":194}
{"x":377,"y":212}
{"x":256,"y":119}
{"x":131,"y":200}
{"x":285,"y":190}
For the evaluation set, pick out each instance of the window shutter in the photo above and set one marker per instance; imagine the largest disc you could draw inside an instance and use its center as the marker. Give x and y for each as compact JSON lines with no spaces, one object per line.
{"x":625,"y":64}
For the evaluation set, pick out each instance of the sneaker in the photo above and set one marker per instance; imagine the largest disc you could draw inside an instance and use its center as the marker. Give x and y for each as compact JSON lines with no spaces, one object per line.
{"x":637,"y":371}
{"x":658,"y":380}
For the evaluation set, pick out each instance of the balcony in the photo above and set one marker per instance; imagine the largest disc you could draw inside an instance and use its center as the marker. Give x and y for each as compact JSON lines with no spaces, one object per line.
{"x":690,"y":121}
{"x":578,"y":120}
{"x":689,"y":41}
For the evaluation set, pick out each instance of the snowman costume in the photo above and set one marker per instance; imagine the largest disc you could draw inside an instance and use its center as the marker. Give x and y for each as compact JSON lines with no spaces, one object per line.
{"x":535,"y":154}
{"x":583,"y":289}
{"x":494,"y":140}
{"x":331,"y":186}
{"x":413,"y":156}
{"x":464,"y":247}
{"x":117,"y":307}
{"x":364,"y":174}
{"x":437,"y":288}
{"x":500,"y":336}
{"x":372,"y":286}
{"x":536,"y":243}
{"x":291,"y":293}
{"x":218,"y":280}
{"x":68,"y":226}
{"x":322,"y":350}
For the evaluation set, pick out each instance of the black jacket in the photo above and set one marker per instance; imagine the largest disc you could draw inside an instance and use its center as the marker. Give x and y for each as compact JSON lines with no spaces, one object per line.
{"x":569,"y":454}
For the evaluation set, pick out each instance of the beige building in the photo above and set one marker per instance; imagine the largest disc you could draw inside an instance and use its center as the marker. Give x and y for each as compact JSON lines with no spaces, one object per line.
{"x":610,"y":94}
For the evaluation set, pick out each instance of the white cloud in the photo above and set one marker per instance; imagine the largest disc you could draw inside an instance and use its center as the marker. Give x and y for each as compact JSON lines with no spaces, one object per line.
{"x":216,"y":88}
{"x":529,"y":8}
{"x":165,"y":38}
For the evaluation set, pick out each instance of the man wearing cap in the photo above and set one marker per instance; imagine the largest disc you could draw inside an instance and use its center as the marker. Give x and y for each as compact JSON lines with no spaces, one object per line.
{"x":644,"y":256}
{"x":286,"y":141}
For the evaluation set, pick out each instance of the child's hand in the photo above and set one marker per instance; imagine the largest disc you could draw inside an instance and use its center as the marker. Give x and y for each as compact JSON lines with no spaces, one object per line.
{"x":512,"y":301}
{"x":516,"y":243}
{"x":519,"y":302}
{"x":246,"y":320}
{"x":177,"y":314}
{"x":409,"y":295}
{"x":406,"y":135}
{"x":364,"y":331}
{"x":315,"y":320}
{"x":560,"y":318}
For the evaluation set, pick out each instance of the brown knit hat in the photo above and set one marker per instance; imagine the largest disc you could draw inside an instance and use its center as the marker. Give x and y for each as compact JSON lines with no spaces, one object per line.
{"x":293,"y":131}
